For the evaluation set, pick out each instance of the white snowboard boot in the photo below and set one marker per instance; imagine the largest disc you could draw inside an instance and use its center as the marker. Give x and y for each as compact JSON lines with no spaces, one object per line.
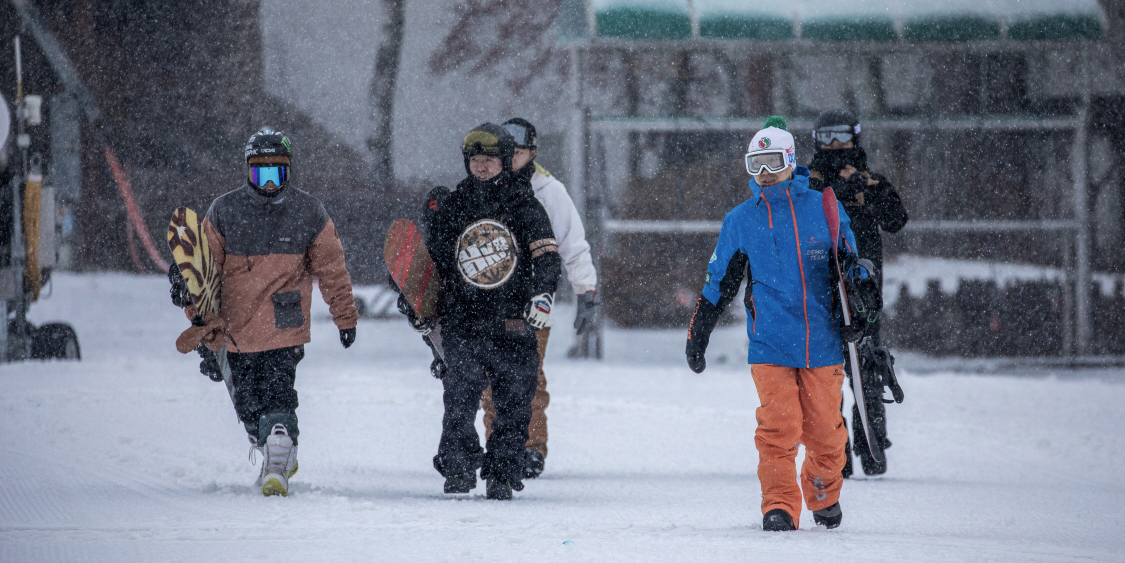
{"x":279,"y":462}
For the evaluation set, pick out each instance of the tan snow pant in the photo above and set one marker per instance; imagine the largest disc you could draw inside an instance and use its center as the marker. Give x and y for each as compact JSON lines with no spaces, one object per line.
{"x":537,"y":429}
{"x":799,"y":406}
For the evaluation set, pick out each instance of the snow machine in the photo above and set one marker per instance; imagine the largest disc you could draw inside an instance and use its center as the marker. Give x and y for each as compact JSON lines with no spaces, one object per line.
{"x":28,"y":245}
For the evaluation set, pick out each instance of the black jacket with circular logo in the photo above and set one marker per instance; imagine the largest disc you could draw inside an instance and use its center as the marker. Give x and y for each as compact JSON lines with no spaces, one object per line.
{"x":493,"y":246}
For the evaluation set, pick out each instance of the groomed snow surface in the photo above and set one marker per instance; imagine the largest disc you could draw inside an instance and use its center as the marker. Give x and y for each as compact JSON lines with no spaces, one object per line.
{"x":132,"y":456}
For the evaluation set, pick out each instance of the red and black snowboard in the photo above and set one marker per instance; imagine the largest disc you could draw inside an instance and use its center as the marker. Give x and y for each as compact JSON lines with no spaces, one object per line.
{"x":413,"y":272}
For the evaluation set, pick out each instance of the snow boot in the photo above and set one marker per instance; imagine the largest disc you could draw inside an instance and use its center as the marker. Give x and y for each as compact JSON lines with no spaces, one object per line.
{"x":460,"y":483}
{"x":499,"y":490}
{"x":533,"y":464}
{"x":777,"y":520}
{"x":279,"y":462}
{"x":828,"y":517}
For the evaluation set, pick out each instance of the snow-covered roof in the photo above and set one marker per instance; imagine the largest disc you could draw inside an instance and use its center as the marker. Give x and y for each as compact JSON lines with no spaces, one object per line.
{"x":832,"y":20}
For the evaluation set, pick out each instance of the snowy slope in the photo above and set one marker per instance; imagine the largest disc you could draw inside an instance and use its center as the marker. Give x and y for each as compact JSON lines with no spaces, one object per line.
{"x":133,"y":456}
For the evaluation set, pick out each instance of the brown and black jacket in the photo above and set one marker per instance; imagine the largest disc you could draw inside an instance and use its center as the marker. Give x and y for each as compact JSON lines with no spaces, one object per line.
{"x":268,"y":250}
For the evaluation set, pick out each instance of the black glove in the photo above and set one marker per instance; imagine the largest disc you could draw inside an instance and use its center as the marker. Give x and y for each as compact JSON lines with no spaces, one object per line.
{"x":347,"y":337}
{"x":437,"y":368}
{"x":695,"y":356}
{"x":586,"y":319}
{"x":209,"y":365}
{"x":847,"y":188}
{"x":180,"y":296}
{"x":703,"y":321}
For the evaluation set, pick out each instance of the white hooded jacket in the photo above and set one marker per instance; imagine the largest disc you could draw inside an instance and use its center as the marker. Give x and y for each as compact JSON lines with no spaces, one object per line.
{"x":569,"y":232}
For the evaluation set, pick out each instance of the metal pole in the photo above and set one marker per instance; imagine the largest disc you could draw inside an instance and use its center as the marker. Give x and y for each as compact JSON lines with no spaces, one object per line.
{"x":578,"y":140}
{"x":576,"y":134}
{"x":1078,"y":167}
{"x":1067,"y":244}
{"x":596,"y":221}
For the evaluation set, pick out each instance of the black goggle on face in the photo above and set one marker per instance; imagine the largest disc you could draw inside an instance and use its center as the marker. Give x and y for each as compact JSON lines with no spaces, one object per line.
{"x":842,"y":133}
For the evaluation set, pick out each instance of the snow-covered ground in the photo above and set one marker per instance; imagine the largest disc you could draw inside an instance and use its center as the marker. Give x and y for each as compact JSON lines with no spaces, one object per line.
{"x":132,"y":456}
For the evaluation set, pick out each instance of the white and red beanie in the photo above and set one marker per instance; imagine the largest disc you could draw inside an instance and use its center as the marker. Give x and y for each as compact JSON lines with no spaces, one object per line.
{"x":774,"y":137}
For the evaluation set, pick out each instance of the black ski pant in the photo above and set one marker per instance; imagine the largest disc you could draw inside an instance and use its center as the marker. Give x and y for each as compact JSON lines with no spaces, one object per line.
{"x":263,"y":389}
{"x":509,"y":362}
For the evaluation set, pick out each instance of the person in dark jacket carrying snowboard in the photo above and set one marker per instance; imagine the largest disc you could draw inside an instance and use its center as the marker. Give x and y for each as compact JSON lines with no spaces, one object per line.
{"x":492,"y":244}
{"x":781,"y":235}
{"x":873,"y":205}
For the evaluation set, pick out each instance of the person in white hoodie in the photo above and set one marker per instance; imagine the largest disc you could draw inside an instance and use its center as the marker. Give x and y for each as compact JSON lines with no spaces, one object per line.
{"x":575,"y":252}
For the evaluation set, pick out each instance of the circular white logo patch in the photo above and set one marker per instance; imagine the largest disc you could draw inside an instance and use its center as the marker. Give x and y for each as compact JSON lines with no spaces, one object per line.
{"x":486,"y":254}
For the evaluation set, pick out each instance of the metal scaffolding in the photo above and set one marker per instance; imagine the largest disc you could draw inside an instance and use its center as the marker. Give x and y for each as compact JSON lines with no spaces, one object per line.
{"x":586,"y":162}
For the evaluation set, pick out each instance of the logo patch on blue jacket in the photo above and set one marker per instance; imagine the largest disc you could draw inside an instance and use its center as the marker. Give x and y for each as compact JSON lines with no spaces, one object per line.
{"x":713,"y":258}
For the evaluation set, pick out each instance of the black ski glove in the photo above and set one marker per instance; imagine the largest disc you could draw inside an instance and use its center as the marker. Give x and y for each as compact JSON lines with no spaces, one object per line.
{"x":847,"y":188}
{"x":585,"y":320}
{"x":703,"y":321}
{"x":437,"y":368}
{"x":209,"y":365}
{"x":347,"y":337}
{"x":179,"y":291}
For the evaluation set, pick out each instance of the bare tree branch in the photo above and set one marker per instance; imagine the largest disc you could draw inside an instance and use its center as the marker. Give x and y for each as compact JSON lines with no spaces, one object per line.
{"x":511,"y":38}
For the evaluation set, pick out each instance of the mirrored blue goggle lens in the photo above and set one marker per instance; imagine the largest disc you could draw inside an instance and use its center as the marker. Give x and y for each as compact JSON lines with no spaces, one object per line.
{"x":259,"y":175}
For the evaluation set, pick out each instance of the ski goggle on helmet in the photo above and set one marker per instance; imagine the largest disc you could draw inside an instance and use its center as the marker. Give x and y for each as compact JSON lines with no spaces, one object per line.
{"x":772,"y":160}
{"x":842,"y":133}
{"x":260,"y":174}
{"x":522,"y":131}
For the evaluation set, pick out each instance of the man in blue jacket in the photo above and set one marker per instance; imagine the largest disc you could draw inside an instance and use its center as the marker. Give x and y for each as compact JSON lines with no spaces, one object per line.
{"x":780,"y":238}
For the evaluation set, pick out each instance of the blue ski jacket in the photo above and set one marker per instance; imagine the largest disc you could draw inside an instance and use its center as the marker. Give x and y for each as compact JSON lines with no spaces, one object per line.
{"x":782,"y":234}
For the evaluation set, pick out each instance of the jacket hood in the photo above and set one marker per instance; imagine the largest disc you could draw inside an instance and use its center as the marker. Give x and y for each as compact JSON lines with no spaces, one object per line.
{"x":799,"y":183}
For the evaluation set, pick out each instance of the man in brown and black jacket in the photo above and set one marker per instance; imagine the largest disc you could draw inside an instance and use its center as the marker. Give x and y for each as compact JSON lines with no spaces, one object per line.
{"x":269,"y":240}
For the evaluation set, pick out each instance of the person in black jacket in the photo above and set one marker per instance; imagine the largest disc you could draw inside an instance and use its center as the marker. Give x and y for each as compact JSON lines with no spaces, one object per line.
{"x":873,"y":205}
{"x":491,"y":242}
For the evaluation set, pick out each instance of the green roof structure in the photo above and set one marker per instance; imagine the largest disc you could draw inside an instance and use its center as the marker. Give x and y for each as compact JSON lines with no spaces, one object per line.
{"x":912,"y":21}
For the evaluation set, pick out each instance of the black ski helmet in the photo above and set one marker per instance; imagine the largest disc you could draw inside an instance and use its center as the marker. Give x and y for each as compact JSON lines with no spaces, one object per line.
{"x":268,"y":142}
{"x":837,"y":117}
{"x":523,"y":131}
{"x":491,"y":140}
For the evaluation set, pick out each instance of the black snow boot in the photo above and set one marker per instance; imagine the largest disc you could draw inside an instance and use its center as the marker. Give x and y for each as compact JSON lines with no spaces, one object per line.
{"x":499,"y":490}
{"x":777,"y":520}
{"x":533,"y":464}
{"x":829,"y":517}
{"x":460,"y":483}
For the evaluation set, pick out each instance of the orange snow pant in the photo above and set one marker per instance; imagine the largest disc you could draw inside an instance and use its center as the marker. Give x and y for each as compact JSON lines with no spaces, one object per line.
{"x":537,"y":429}
{"x":799,"y":406}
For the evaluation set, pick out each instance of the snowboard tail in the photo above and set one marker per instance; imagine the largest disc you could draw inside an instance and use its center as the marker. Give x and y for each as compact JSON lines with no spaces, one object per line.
{"x":412,"y":271}
{"x":188,"y":243}
{"x":190,"y":251}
